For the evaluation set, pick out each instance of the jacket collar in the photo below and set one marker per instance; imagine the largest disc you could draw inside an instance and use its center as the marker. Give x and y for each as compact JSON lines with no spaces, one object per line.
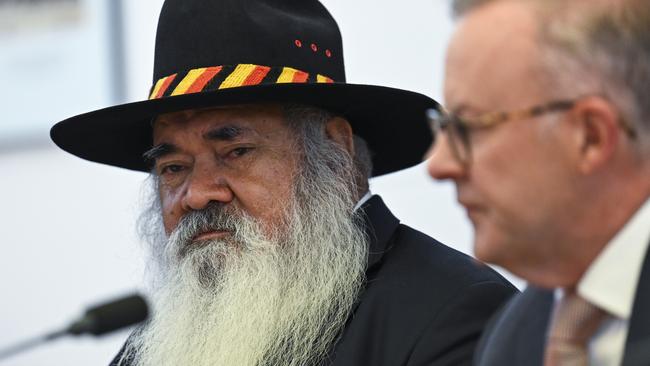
{"x":380,"y":224}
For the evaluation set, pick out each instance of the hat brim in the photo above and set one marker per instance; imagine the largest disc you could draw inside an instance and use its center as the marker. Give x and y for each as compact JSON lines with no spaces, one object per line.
{"x":392,"y":121}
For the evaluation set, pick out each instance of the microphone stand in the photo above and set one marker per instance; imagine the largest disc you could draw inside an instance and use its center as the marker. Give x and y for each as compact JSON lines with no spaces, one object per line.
{"x":31,"y":343}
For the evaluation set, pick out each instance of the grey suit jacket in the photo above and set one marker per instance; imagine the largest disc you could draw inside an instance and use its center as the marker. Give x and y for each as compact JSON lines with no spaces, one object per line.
{"x":517,"y":334}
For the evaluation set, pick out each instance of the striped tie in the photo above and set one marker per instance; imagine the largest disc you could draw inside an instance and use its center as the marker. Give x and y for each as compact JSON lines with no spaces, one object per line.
{"x":574,"y":322}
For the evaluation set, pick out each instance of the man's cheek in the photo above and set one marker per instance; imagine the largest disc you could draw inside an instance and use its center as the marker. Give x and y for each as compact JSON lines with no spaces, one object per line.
{"x":171,"y":210}
{"x":170,"y":220}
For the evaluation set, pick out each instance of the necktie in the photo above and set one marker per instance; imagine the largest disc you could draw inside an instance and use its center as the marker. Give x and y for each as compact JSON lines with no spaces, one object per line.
{"x":574,"y":322}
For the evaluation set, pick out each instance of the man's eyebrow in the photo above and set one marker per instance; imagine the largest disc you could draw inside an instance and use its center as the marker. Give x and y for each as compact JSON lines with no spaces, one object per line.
{"x":225,"y":133}
{"x":150,"y":156}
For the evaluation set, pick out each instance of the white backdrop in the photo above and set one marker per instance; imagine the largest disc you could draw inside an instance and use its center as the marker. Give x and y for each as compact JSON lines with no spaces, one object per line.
{"x":67,"y":225}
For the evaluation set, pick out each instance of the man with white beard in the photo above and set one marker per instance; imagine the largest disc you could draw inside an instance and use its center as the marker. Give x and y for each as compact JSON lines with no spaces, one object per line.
{"x":269,"y":248}
{"x":260,"y":295}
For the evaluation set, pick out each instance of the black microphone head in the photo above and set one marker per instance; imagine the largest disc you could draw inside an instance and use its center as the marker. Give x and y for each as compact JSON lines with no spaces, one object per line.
{"x":112,"y":316}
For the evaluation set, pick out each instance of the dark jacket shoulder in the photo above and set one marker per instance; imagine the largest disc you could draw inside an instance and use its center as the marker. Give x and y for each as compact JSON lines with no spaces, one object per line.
{"x":517,"y":333}
{"x":424,"y":303}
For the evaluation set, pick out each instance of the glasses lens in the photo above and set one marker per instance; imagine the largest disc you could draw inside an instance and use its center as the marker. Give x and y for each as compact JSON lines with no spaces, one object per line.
{"x":436,"y":122}
{"x":433,"y":117}
{"x":459,"y":139}
{"x":457,"y":132}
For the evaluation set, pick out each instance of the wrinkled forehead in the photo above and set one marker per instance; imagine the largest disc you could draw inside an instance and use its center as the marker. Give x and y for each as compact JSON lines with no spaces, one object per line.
{"x":245,"y":110}
{"x":254,"y":117}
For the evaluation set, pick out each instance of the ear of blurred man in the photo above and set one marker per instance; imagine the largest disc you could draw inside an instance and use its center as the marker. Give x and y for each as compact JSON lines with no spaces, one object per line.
{"x":597,"y":134}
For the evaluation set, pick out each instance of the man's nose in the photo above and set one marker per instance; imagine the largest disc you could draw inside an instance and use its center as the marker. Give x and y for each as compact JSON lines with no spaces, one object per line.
{"x":441,"y":163}
{"x":206,"y":185}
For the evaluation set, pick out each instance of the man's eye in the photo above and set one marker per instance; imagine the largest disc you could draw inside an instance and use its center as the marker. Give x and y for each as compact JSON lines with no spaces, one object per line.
{"x":171,"y":169}
{"x":463,"y":130}
{"x":240,"y":151}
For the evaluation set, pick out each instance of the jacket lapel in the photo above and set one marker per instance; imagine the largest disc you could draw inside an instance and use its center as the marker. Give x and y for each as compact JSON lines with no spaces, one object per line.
{"x":637,"y":345}
{"x":379,"y":224}
{"x":517,"y":334}
{"x":536,"y":327}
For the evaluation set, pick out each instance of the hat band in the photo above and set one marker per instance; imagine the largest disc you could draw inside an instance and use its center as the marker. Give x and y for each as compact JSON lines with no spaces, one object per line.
{"x":230,"y":76}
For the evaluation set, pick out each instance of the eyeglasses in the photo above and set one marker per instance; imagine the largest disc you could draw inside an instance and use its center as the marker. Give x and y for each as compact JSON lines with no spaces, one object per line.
{"x":458,"y":129}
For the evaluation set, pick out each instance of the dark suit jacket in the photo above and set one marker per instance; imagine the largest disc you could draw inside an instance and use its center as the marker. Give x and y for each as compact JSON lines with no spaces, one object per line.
{"x":423,"y":304}
{"x":517,"y":335}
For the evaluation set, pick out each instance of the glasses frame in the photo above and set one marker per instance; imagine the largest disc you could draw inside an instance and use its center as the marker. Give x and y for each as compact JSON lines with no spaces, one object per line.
{"x":458,"y":128}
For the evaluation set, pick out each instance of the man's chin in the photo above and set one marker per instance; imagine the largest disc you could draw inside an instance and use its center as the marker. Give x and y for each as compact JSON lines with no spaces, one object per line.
{"x":202,"y":262}
{"x":488,"y":248}
{"x":216,"y":245}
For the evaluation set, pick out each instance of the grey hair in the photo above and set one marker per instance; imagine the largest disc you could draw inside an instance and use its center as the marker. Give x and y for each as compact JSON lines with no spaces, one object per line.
{"x":309,"y":124}
{"x":150,"y":227}
{"x":611,"y":45}
{"x":462,"y":7}
{"x":598,"y":47}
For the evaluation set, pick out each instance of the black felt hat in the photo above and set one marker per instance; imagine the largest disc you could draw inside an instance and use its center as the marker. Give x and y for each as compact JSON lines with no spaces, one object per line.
{"x":226,"y":52}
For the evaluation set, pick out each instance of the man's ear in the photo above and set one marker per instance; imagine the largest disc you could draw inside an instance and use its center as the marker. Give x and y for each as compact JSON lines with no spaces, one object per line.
{"x":338,"y":129}
{"x":597,"y":132}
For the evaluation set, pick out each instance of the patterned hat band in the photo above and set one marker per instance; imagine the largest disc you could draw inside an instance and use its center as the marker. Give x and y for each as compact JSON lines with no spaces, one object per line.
{"x":230,"y":76}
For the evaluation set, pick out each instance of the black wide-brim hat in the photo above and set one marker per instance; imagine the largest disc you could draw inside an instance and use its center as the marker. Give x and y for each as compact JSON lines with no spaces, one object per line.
{"x":233,"y":52}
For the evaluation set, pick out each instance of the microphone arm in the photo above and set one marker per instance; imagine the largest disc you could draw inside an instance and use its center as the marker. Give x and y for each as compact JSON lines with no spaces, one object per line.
{"x":25,"y":345}
{"x":97,"y":320}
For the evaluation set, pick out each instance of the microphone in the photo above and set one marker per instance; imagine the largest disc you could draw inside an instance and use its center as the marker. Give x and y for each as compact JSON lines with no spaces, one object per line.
{"x":98,"y":320}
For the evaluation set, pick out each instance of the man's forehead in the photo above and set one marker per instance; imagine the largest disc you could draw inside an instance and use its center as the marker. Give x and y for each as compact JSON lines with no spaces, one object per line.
{"x":494,"y":55}
{"x":214,"y":113}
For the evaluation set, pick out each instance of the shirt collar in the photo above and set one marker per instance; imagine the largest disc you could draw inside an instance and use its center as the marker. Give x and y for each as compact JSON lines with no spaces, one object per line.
{"x":610,"y":281}
{"x":362,"y":200}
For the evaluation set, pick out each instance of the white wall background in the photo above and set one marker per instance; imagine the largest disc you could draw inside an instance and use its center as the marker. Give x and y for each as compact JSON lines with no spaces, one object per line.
{"x":67,"y":225}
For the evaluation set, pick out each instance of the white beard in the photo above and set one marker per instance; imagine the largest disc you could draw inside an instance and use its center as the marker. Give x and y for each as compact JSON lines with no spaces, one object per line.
{"x":255,"y":299}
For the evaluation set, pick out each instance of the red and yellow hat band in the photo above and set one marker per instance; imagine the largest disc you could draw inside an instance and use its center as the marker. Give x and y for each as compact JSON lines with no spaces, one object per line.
{"x":230,"y":76}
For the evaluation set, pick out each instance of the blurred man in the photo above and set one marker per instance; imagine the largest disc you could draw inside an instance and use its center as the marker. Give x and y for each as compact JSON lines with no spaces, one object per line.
{"x":270,"y":249}
{"x":548,"y":142}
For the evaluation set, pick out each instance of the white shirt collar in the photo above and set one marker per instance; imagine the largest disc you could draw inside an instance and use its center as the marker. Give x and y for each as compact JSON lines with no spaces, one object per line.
{"x":611,"y":280}
{"x":363,"y":200}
